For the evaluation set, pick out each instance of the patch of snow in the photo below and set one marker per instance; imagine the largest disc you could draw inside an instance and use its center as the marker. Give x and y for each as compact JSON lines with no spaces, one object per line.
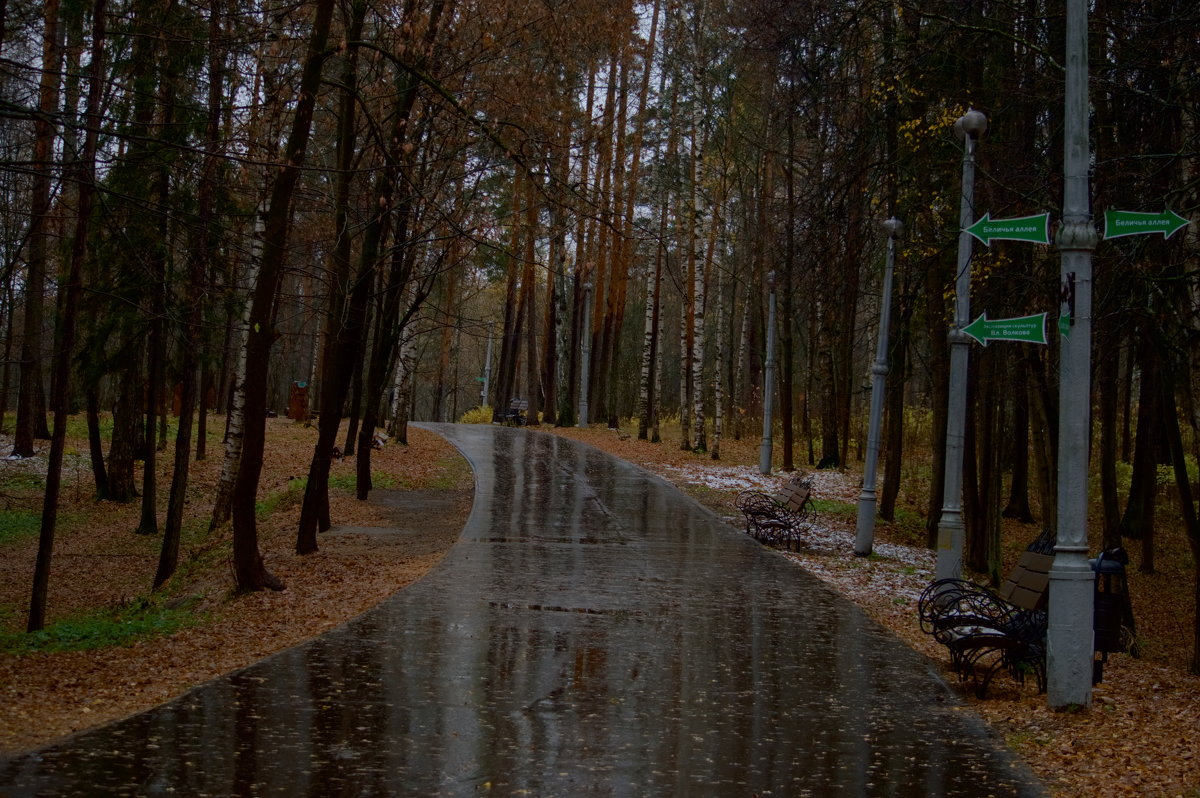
{"x":827,"y":551}
{"x":826,"y":484}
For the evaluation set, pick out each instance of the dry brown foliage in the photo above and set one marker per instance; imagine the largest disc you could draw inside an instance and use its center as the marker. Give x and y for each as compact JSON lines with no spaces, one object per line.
{"x":99,"y":562}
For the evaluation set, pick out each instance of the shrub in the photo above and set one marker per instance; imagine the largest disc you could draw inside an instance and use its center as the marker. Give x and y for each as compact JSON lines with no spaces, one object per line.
{"x":478,"y":415}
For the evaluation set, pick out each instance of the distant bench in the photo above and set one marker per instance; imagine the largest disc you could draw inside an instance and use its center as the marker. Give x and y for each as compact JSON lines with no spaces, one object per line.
{"x":515,"y":416}
{"x":777,"y":519}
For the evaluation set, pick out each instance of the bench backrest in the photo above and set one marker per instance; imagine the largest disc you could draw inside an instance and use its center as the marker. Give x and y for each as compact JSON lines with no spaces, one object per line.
{"x":794,"y":495}
{"x":1026,"y":585}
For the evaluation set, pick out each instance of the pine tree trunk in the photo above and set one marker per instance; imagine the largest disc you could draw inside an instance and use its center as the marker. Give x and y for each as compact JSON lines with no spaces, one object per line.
{"x":529,"y":303}
{"x":894,"y":431}
{"x":445,"y":350}
{"x":1107,"y":376}
{"x":345,"y":312}
{"x":85,"y":177}
{"x":200,"y":260}
{"x":646,"y":393}
{"x":507,"y":366}
{"x":28,"y":423}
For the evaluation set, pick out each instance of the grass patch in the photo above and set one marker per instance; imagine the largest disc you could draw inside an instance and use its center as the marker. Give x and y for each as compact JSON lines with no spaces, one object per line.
{"x":77,"y":426}
{"x":22,"y":482}
{"x":834,"y":508}
{"x":18,"y":525}
{"x":105,"y":628}
{"x":909,"y":527}
{"x":264,"y":508}
{"x":349,"y":482}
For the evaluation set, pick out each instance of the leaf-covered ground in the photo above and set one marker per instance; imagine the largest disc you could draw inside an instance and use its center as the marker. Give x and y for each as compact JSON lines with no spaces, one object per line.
{"x":1141,"y":737}
{"x":99,"y":564}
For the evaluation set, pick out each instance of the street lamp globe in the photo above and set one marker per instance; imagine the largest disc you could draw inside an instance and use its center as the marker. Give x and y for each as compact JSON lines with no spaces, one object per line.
{"x":893,"y":227}
{"x":973,"y":123}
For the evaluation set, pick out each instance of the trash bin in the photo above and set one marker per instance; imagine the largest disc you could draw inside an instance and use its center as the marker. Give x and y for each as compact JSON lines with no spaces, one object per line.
{"x":1109,"y":602}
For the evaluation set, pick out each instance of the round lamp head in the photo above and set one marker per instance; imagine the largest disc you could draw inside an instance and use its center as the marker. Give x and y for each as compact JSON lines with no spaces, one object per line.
{"x":973,"y":123}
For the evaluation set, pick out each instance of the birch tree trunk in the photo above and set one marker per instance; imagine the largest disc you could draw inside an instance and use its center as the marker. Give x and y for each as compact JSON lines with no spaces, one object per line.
{"x":402,"y":402}
{"x":698,"y":300}
{"x":719,"y":375}
{"x":685,"y":373}
{"x":507,"y":366}
{"x":235,"y":423}
{"x":600,"y":269}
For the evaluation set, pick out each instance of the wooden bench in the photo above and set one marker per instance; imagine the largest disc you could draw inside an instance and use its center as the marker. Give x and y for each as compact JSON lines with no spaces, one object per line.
{"x":515,"y":416}
{"x":988,"y":631}
{"x":777,"y":519}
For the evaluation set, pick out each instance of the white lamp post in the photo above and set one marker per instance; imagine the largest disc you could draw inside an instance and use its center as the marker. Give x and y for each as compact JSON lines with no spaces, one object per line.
{"x":864,"y":537}
{"x":951,"y":529}
{"x":764,"y":454}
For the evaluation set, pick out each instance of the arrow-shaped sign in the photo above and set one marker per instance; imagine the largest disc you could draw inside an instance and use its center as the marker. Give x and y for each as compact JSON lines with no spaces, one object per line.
{"x":1030,"y":329}
{"x":1132,"y":223}
{"x":1026,"y":228}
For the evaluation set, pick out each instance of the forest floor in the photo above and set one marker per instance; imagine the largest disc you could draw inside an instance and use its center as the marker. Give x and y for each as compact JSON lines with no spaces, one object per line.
{"x":1141,"y":736}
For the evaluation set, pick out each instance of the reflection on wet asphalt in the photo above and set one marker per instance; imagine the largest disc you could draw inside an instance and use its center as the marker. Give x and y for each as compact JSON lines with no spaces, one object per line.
{"x":593,"y":632}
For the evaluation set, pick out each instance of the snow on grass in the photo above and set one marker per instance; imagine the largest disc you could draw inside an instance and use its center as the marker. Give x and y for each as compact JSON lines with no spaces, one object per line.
{"x":827,"y":550}
{"x":723,"y":477}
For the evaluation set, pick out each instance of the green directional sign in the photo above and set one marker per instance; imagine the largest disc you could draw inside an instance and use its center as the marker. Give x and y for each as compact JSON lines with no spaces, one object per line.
{"x":1025,"y":228}
{"x":1030,"y":329}
{"x":1133,"y":223}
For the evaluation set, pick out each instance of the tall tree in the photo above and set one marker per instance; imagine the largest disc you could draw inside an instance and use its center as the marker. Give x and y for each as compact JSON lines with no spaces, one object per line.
{"x":84,"y":172}
{"x":250,"y":573}
{"x":31,"y":419}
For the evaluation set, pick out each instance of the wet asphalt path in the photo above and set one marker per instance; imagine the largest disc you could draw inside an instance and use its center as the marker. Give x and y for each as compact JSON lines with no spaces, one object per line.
{"x":594,"y":632}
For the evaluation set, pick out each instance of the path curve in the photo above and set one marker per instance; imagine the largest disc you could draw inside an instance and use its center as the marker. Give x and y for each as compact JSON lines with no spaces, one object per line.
{"x":593,"y":632}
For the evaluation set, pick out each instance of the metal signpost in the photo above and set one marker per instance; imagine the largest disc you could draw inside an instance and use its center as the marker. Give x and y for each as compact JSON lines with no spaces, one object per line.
{"x":1069,"y":632}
